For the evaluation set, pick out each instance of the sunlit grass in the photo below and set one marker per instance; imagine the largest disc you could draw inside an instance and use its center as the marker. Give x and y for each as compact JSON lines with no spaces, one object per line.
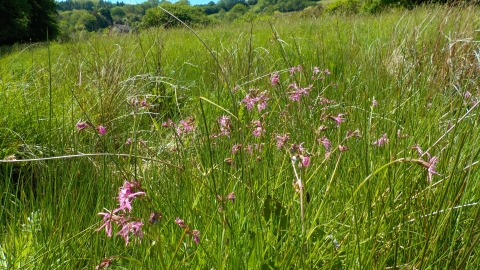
{"x":402,"y":81}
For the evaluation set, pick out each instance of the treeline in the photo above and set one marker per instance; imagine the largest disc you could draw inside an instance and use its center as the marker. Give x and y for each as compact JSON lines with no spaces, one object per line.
{"x":75,"y":18}
{"x":39,"y":20}
{"x":27,"y":21}
{"x":88,"y":5}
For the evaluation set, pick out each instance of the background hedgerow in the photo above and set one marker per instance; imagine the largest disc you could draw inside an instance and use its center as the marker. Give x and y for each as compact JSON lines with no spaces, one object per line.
{"x":343,"y":142}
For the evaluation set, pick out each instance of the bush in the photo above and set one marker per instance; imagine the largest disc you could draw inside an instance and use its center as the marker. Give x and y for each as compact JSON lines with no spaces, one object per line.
{"x":343,"y":7}
{"x":312,"y":12}
{"x":156,"y":17}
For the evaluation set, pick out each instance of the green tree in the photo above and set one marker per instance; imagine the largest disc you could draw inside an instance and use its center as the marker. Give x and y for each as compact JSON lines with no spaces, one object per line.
{"x":117,"y":13}
{"x":105,"y":13}
{"x":78,"y":20}
{"x":228,"y":4}
{"x":42,"y":20}
{"x":25,"y":20}
{"x":156,"y":17}
{"x":236,"y":12}
{"x":14,"y":20}
{"x":183,"y":2}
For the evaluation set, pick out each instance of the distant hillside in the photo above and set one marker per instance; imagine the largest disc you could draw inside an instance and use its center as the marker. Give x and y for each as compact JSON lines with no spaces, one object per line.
{"x":83,"y":1}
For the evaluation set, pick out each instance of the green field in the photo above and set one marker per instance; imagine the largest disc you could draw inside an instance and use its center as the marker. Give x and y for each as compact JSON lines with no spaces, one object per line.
{"x":363,"y":155}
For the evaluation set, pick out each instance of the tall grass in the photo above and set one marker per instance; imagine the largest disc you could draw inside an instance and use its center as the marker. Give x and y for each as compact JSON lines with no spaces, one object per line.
{"x":402,"y":87}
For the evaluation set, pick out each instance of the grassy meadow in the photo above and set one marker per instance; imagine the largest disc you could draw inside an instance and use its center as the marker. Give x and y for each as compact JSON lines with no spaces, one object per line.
{"x":337,"y":142}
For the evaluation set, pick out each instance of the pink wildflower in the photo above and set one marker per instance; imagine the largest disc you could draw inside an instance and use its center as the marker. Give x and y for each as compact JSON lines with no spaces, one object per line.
{"x":129,"y":141}
{"x":196,"y":236}
{"x":431,"y":168}
{"x":168,"y":123}
{"x":338,"y":119}
{"x":186,"y":126}
{"x":419,"y":150}
{"x":382,"y":141}
{"x":316,"y":70}
{"x":355,"y":133}
{"x":305,"y":161}
{"x":297,"y":148}
{"x":107,"y":223}
{"x":274,"y":78}
{"x":133,"y":227}
{"x":249,"y":102}
{"x":281,"y":140}
{"x":249,"y":149}
{"x":225,"y":125}
{"x":430,"y":165}
{"x":224,"y":121}
{"x":292,"y":70}
{"x":144,"y":103}
{"x":104,"y":264}
{"x":127,"y":194}
{"x":374,"y":103}
{"x":231,"y":197}
{"x":180,"y":223}
{"x":326,"y":143}
{"x":82,"y":125}
{"x":236,"y":148}
{"x":253,"y":97}
{"x":298,"y":92}
{"x":400,"y":135}
{"x":326,"y":100}
{"x":262,"y":101}
{"x":258,"y":129}
{"x":134,"y":101}
{"x":102,"y":130}
{"x":155,"y":217}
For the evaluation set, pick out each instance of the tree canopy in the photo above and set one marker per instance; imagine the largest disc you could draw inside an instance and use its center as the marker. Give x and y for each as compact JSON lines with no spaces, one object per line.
{"x":191,"y":15}
{"x":27,"y":20}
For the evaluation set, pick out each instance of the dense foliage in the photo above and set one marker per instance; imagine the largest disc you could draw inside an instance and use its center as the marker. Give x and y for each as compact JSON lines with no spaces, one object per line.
{"x":27,"y":20}
{"x":157,"y":17}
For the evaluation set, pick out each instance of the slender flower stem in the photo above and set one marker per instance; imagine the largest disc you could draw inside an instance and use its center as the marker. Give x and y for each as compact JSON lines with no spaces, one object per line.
{"x":300,"y":187}
{"x":178,"y":247}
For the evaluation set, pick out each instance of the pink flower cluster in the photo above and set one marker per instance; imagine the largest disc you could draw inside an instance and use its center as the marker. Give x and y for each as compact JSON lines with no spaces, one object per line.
{"x":184,"y":126}
{"x":83,"y":125}
{"x":275,"y":79}
{"x":129,"y":225}
{"x":338,"y":119}
{"x":430,"y":165}
{"x":130,"y":141}
{"x":254,"y":98}
{"x":195,"y":233}
{"x":319,"y":73}
{"x":127,"y":193}
{"x":249,"y":148}
{"x":258,"y":129}
{"x":381,"y":141}
{"x":282,"y":140}
{"x":292,"y":70}
{"x":298,"y":92}
{"x":300,"y":153}
{"x":225,"y":125}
